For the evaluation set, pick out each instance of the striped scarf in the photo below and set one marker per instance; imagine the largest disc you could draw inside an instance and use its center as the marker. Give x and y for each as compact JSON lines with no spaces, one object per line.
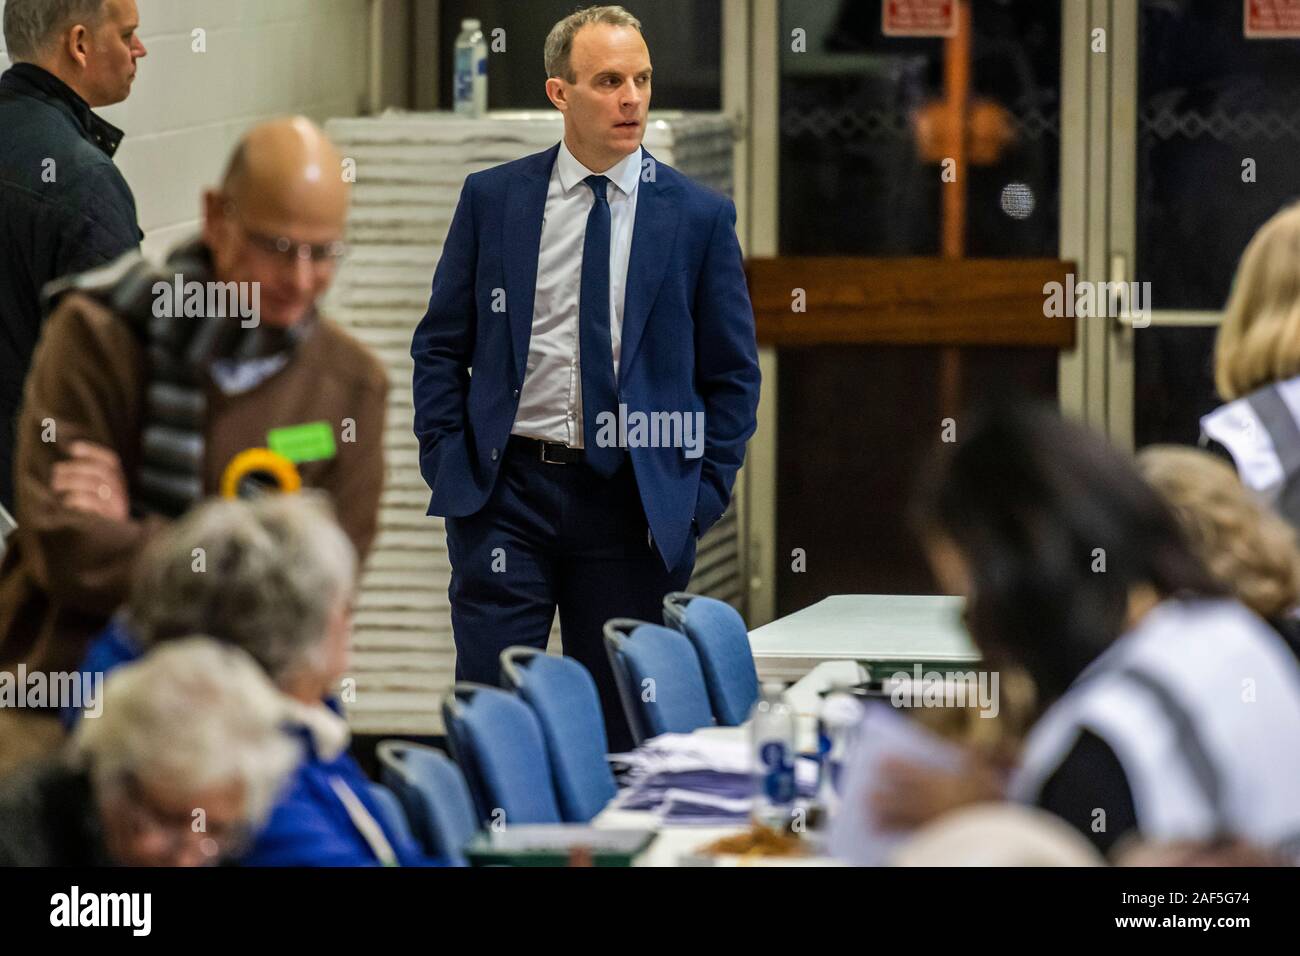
{"x":180,"y":352}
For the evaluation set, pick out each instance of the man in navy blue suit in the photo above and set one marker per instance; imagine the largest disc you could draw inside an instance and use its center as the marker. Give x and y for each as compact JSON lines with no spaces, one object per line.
{"x":598,"y":297}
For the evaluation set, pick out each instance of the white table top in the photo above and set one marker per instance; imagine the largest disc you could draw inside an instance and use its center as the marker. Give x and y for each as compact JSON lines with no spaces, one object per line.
{"x":867,"y":627}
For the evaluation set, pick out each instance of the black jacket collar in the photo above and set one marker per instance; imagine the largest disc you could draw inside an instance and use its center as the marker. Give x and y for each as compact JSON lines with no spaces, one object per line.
{"x":30,"y":80}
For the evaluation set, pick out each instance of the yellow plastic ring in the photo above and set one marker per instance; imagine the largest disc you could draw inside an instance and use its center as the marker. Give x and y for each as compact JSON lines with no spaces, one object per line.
{"x":261,"y":460}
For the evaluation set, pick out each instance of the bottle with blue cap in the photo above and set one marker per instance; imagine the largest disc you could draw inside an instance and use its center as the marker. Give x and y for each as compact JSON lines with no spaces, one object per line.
{"x":470,"y":77}
{"x":772,"y":733}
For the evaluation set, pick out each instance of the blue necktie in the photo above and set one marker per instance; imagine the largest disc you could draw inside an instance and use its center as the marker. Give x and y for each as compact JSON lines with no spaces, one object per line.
{"x":599,"y":393}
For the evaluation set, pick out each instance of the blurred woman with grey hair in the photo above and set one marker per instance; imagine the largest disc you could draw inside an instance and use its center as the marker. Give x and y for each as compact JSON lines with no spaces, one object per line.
{"x":274,"y":576}
{"x":185,"y":762}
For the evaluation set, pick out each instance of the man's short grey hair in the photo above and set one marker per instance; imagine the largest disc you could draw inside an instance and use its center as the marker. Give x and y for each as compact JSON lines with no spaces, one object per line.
{"x":32,"y":26}
{"x":263,"y":574}
{"x":559,"y":43}
{"x":190,"y":717}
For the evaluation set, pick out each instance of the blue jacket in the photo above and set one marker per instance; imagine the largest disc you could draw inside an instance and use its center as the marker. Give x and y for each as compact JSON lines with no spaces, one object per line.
{"x":109,"y":649}
{"x":309,"y":826}
{"x":688,"y":342}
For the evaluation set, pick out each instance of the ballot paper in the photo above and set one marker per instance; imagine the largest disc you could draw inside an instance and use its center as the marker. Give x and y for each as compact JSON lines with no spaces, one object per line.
{"x":683,"y":753}
{"x":856,"y":836}
{"x":692,"y":808}
{"x":678,"y":753}
{"x":698,"y":779}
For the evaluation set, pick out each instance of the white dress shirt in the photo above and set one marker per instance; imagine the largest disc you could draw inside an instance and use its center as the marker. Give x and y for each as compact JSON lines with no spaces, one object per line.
{"x":550,"y":405}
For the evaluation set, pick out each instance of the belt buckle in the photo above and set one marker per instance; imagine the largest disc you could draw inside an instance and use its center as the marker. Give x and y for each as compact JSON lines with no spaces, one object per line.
{"x":548,"y":461}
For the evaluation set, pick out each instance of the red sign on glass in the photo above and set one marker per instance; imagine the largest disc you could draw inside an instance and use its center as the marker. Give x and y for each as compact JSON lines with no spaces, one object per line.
{"x":1272,"y":19}
{"x":919,"y":18}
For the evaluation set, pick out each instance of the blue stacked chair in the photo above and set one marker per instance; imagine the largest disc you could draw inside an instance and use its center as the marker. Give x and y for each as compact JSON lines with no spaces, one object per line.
{"x":496,"y":739}
{"x":563,"y":695}
{"x":721,"y":641}
{"x":434,"y":794}
{"x":659,"y":678}
{"x":390,"y":808}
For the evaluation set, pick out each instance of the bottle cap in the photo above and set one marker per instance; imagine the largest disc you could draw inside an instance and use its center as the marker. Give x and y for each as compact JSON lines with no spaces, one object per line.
{"x":469,"y":24}
{"x":841,"y":710}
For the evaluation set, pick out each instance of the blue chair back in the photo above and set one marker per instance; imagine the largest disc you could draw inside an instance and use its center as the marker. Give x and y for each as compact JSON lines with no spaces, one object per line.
{"x":393,"y":817}
{"x":498,"y":743}
{"x":721,"y":640}
{"x":434,"y":794}
{"x":654,"y":661}
{"x":563,"y":695}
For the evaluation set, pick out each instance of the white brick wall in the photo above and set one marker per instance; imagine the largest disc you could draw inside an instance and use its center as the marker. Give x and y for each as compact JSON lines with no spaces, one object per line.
{"x":264,"y":58}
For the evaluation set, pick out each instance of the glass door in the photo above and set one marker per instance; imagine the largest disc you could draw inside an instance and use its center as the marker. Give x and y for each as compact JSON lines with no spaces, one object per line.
{"x":907,"y":154}
{"x":1205,"y":156}
{"x":1170,"y":142}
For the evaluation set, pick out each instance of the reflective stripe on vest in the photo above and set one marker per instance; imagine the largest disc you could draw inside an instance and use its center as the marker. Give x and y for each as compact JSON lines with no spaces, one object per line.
{"x":1275,"y":415}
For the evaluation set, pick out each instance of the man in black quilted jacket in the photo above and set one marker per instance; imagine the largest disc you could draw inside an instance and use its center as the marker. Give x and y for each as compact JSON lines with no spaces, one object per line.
{"x":64,"y":207}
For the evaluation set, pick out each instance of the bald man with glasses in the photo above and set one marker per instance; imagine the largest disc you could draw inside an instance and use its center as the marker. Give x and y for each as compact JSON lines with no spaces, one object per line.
{"x":143,"y":399}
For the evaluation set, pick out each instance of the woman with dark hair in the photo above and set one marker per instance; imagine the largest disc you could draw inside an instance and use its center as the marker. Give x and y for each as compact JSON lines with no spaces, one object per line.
{"x":1166,"y":706}
{"x":1061,"y":537}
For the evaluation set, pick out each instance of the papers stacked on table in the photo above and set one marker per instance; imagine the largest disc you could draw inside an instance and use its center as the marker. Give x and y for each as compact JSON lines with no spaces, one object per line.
{"x":698,"y":779}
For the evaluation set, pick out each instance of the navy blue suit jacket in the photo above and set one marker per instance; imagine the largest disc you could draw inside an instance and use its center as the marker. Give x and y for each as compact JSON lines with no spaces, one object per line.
{"x":687,"y":345}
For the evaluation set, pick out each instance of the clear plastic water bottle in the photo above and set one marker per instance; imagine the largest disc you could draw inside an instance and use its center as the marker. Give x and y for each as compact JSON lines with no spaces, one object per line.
{"x":772,"y":735}
{"x":837,"y":728}
{"x":470,"y":76}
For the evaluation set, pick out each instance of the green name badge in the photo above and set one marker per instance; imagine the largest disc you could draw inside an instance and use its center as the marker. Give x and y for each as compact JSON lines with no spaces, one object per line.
{"x":311,"y":442}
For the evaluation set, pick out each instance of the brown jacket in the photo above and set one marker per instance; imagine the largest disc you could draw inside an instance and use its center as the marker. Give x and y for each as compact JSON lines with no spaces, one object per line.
{"x":66,"y":572}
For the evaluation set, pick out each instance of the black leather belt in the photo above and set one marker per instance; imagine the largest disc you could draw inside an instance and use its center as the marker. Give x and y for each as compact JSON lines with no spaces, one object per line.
{"x":551,"y":452}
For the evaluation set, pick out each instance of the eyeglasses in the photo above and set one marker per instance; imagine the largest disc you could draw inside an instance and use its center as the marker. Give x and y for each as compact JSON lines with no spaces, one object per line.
{"x":214,"y":842}
{"x":288,"y":250}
